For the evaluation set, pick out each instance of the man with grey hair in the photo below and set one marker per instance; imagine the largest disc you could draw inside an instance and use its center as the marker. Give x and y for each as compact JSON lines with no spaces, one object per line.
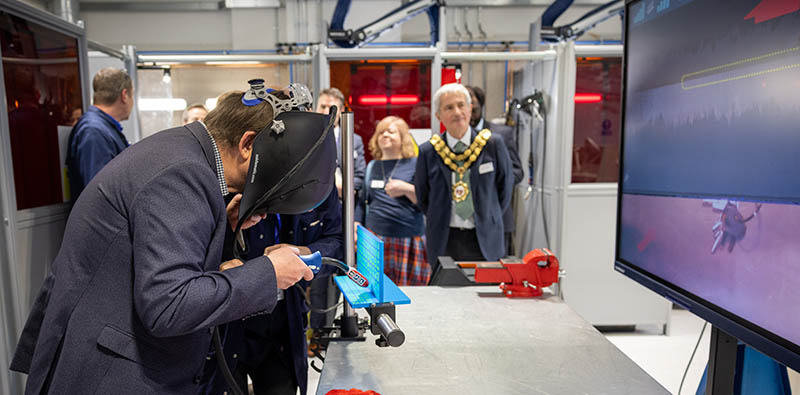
{"x":195,"y":112}
{"x":463,"y":183}
{"x":97,"y":136}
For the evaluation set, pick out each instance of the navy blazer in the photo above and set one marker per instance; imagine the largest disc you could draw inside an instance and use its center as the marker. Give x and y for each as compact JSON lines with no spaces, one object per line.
{"x":507,"y":133}
{"x":130,"y":298}
{"x":491,"y":193}
{"x":94,"y":140}
{"x":319,"y":230}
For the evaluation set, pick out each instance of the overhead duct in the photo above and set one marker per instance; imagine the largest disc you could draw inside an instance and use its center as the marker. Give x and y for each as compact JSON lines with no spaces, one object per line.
{"x":66,"y":9}
{"x":554,"y":11}
{"x":349,"y":38}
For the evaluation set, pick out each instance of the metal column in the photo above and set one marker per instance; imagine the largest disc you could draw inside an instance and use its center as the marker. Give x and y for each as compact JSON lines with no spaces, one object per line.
{"x":349,"y":319}
{"x":9,"y":313}
{"x":130,"y":65}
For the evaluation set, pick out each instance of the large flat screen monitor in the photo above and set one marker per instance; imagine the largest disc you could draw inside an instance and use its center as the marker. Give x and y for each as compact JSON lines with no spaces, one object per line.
{"x":709,"y":202}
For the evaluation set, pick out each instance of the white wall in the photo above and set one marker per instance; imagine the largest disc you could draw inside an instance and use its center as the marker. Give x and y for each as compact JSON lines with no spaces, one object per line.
{"x":201,"y":30}
{"x":299,"y":21}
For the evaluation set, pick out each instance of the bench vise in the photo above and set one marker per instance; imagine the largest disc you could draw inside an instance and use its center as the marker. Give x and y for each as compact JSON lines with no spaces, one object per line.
{"x":521,"y":279}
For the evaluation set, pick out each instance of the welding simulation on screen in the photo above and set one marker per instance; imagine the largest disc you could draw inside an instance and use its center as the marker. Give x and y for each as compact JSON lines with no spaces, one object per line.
{"x":710,"y":192}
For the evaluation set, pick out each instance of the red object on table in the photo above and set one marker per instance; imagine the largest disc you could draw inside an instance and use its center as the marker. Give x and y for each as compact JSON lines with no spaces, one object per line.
{"x":351,"y":391}
{"x":538,"y":269}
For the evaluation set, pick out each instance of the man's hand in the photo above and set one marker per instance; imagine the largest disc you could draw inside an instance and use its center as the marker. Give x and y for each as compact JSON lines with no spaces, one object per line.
{"x":289,"y":269}
{"x":233,"y":214}
{"x":355,"y":232}
{"x":303,"y":249}
{"x":230,"y":264}
{"x":337,"y":179}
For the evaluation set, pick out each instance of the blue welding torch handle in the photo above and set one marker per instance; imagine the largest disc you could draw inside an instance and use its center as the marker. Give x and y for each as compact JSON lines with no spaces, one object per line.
{"x":313,"y":261}
{"x":316,"y":260}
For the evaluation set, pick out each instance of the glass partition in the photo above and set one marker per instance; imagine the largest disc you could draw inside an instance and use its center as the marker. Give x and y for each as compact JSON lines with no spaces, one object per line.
{"x":595,"y":153}
{"x":375,"y":89}
{"x":43,"y":96}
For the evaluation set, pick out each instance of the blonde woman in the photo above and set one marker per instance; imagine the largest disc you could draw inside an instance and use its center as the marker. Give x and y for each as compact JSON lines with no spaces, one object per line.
{"x":387,"y":204}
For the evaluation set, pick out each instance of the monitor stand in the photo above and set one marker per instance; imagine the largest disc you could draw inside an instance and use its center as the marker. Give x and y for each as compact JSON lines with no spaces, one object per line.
{"x":735,"y":368}
{"x":721,"y":367}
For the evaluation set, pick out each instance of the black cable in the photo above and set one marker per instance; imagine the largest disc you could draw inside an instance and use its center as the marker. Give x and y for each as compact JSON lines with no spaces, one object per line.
{"x":307,"y":301}
{"x":223,"y":365}
{"x":692,"y":357}
{"x":329,"y":309}
{"x":316,"y":351}
{"x":541,"y":190}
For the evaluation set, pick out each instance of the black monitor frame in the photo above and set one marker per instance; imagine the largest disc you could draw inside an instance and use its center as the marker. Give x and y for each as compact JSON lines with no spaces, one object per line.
{"x":776,"y":347}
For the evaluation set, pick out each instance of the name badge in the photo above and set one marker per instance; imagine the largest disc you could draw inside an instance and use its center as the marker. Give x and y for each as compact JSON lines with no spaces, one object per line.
{"x":487,"y":167}
{"x":377,"y":184}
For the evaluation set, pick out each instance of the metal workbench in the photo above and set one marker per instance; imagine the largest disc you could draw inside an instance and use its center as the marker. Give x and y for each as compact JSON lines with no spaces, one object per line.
{"x":472,"y":340}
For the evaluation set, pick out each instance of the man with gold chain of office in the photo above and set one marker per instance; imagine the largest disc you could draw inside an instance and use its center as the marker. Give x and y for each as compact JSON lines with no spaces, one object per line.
{"x":463,"y":183}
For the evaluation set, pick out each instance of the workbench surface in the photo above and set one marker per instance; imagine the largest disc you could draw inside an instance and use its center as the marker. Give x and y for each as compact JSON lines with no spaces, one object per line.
{"x":472,"y":340}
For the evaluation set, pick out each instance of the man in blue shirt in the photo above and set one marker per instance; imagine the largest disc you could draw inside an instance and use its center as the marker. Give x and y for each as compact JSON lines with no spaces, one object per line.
{"x":97,"y":137}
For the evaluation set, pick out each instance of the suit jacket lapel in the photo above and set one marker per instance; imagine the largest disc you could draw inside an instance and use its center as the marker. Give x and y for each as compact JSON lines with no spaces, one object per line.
{"x":444,"y":169}
{"x":473,"y":174}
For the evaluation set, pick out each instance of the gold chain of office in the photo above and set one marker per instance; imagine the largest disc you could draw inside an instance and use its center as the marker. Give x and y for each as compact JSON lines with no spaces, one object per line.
{"x":460,"y":188}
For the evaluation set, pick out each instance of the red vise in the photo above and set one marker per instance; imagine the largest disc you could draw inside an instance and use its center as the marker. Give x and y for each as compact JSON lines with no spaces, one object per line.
{"x":538,"y":269}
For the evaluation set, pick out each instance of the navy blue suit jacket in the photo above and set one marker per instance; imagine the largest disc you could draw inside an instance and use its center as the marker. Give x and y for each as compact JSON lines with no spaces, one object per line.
{"x":130,"y":298}
{"x":491,"y":193}
{"x":319,"y":230}
{"x":507,"y":133}
{"x":93,"y":142}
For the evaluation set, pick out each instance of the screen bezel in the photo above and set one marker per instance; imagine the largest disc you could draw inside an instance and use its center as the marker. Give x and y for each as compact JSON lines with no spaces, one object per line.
{"x":769,"y":343}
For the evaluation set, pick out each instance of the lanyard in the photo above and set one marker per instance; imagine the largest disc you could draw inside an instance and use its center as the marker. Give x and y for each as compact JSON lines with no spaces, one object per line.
{"x":277,"y":232}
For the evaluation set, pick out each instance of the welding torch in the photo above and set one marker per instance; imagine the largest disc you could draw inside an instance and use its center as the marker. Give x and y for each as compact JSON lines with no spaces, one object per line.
{"x":315,"y":261}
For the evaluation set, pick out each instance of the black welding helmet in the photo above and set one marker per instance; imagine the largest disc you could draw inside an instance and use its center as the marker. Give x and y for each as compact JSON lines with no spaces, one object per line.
{"x":293,"y":158}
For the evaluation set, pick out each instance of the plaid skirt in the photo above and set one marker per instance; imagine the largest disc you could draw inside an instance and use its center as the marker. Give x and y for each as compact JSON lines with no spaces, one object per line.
{"x":405,"y":260}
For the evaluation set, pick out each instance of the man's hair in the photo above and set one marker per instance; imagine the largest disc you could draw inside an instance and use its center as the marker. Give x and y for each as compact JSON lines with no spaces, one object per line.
{"x":479,"y":94}
{"x":108,"y":84}
{"x":185,"y":116}
{"x":406,"y":140}
{"x":448,"y":89}
{"x":334,"y":93}
{"x":228,"y":121}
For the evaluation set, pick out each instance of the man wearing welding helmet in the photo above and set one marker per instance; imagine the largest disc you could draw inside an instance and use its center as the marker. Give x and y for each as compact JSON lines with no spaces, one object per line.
{"x":136,"y":286}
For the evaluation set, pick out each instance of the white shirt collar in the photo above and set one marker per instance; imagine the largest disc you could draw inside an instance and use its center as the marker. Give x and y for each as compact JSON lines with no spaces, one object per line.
{"x":451,"y":141}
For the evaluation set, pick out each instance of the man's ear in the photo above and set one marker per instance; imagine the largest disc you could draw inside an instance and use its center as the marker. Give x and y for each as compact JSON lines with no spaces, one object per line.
{"x":246,"y":144}
{"x":125,"y":95}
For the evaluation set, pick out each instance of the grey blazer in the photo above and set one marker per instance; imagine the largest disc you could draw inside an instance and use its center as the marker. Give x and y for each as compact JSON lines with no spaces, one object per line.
{"x":491,"y":193}
{"x":128,"y":303}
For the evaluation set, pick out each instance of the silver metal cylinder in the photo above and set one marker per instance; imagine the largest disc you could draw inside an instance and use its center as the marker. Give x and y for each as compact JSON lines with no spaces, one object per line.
{"x":66,"y":9}
{"x":348,"y":196}
{"x":390,"y":331}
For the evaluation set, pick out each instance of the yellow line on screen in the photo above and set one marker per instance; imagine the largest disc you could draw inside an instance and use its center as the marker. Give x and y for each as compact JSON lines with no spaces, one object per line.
{"x":737,"y":63}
